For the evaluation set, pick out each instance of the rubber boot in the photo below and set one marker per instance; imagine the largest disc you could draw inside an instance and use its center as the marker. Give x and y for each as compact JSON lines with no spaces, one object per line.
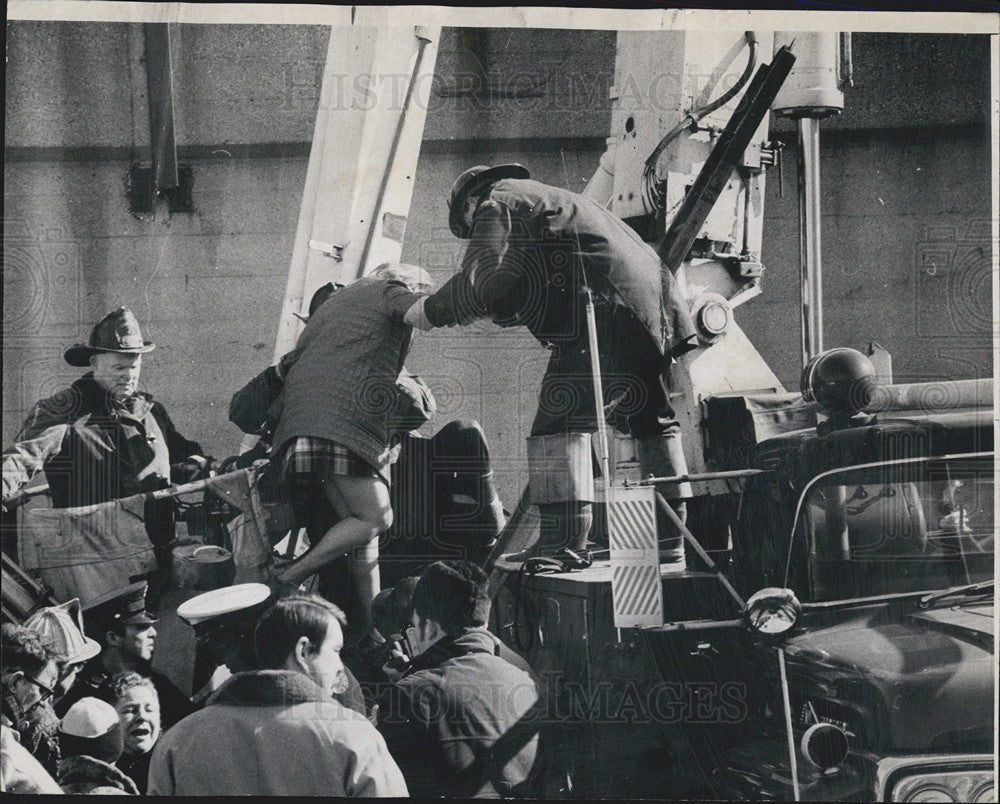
{"x":563,"y":525}
{"x":664,"y":457}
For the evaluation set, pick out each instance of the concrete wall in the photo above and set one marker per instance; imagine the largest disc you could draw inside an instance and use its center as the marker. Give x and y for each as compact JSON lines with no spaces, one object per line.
{"x":905,"y":175}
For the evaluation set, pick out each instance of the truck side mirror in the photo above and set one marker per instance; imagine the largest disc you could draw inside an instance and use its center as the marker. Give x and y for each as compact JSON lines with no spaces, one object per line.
{"x":772,"y":612}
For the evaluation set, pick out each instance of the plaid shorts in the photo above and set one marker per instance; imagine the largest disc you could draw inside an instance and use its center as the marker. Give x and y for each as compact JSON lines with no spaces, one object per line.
{"x":320,"y":457}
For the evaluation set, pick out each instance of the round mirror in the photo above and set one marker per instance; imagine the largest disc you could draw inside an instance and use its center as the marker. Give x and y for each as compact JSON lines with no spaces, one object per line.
{"x":772,"y":611}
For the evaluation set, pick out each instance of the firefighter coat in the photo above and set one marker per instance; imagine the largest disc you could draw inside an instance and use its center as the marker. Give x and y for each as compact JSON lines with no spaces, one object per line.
{"x":532,"y":249}
{"x":94,"y":450}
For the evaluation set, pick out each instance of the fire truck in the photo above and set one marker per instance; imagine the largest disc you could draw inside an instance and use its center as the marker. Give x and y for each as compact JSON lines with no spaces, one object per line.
{"x":851,"y":654}
{"x":831,"y":636}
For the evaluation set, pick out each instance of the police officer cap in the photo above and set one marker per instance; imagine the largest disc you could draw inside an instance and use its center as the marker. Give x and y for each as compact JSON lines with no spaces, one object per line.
{"x":126,"y":605}
{"x":227,"y":604}
{"x":472,"y":181}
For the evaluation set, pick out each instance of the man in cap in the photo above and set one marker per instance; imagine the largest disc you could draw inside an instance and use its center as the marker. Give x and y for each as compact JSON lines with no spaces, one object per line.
{"x":61,"y":631}
{"x":120,"y":622}
{"x":534,"y":253}
{"x":102,"y":438}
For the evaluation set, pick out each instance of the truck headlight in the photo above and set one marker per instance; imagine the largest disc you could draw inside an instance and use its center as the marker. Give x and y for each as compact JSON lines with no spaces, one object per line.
{"x":971,"y":786}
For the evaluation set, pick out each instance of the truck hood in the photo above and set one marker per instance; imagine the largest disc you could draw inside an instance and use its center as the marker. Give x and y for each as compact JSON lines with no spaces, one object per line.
{"x":920,"y":681}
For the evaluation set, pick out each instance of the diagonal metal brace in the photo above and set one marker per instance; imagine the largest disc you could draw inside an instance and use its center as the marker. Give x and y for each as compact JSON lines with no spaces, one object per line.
{"x":724,"y":158}
{"x":672,"y":514}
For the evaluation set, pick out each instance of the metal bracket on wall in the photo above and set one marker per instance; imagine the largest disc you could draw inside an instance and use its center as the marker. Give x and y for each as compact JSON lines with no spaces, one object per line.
{"x":163,"y":177}
{"x":142,"y":191}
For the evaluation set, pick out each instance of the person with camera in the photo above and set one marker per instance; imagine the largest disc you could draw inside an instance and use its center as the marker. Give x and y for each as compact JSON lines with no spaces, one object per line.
{"x":450,"y":717}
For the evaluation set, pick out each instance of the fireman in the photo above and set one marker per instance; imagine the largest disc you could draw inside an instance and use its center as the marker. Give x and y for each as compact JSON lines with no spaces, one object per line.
{"x":533,"y":251}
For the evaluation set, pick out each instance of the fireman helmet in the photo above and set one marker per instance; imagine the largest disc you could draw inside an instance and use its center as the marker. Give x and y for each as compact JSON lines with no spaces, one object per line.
{"x":840,"y":380}
{"x":61,"y":631}
{"x":474,"y":180}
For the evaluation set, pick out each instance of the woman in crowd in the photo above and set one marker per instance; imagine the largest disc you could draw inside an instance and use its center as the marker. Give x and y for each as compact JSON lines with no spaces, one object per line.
{"x":138,"y":708}
{"x":90,"y":737}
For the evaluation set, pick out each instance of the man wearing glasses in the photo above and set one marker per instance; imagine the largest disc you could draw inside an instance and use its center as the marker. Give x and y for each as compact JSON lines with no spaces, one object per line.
{"x":30,"y":673}
{"x":61,"y":631}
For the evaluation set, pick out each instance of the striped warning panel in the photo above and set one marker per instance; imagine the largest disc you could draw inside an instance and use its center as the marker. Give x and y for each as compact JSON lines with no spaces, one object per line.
{"x":631,"y":520}
{"x":637,"y":596}
{"x":635,"y":560}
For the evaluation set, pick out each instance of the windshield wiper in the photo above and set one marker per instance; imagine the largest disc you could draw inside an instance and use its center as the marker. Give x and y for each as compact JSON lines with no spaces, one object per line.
{"x":970,"y":590}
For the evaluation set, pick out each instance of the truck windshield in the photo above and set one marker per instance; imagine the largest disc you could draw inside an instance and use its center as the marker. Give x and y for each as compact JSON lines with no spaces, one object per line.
{"x":898,"y":527}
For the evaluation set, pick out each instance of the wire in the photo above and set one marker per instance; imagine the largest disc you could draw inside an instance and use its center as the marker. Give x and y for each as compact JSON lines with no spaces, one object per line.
{"x":651,"y":193}
{"x":532,"y":566}
{"x":723,"y":99}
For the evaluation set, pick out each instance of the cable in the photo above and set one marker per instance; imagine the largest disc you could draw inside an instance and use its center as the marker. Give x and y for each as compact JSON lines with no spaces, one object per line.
{"x":723,"y":99}
{"x":650,"y":191}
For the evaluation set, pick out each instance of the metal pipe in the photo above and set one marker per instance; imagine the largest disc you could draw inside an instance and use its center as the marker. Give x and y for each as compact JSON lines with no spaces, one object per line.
{"x":727,"y":475}
{"x":793,"y":765}
{"x":696,"y":625}
{"x":696,"y":546}
{"x":595,"y":367}
{"x":810,"y":265}
{"x":423,"y":41}
{"x":22,"y":496}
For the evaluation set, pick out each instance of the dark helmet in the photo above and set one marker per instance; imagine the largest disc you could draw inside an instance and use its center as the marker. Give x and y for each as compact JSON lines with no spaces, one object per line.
{"x":840,"y":380}
{"x":117,"y":332}
{"x":474,"y":180}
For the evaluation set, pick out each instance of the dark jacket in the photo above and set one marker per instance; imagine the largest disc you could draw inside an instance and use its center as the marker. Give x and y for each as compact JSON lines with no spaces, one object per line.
{"x":341,"y":377}
{"x":136,"y":767}
{"x":38,"y":733}
{"x":450,"y":721}
{"x":88,"y":775}
{"x":92,"y":449}
{"x":533,"y":246}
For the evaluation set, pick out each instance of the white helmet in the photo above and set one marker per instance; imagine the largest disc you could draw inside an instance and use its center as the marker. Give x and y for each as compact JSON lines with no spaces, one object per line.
{"x":61,"y":631}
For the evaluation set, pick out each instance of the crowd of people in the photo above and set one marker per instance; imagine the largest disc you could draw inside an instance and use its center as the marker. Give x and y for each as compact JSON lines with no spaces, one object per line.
{"x":444,"y":723}
{"x":443,"y":707}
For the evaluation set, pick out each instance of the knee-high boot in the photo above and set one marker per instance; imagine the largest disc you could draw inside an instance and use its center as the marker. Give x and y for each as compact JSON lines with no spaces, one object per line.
{"x":663,"y":456}
{"x":563,"y":525}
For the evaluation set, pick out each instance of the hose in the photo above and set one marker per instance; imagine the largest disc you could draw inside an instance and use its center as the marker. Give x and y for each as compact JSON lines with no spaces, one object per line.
{"x":650,"y":193}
